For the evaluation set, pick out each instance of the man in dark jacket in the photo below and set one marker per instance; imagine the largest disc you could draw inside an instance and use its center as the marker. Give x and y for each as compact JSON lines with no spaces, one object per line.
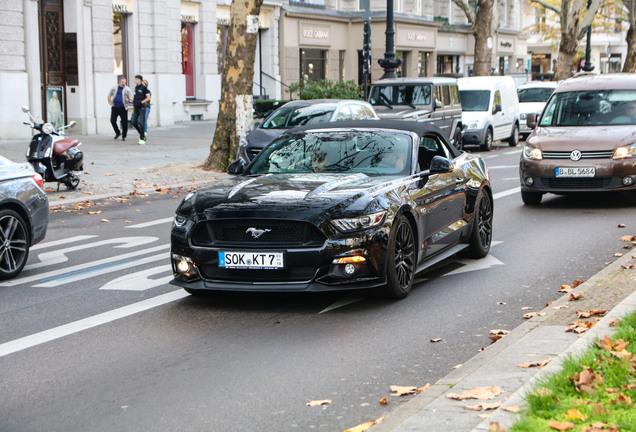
{"x":140,"y":101}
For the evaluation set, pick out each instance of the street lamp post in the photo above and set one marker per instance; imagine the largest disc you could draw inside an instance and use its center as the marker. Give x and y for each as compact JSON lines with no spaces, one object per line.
{"x":588,"y":66}
{"x":389,"y":63}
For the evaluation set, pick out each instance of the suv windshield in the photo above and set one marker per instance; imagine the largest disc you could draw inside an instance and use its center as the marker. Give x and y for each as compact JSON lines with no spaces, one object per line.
{"x":475,"y":100}
{"x":404,"y":94}
{"x":591,"y":108}
{"x":285,"y":118}
{"x":372,"y":153}
{"x":535,"y":94}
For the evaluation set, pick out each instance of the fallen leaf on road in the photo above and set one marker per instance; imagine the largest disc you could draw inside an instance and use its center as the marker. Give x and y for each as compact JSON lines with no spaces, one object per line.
{"x":533,"y":314}
{"x":499,"y":332}
{"x":459,"y":365}
{"x":109,"y":174}
{"x":477,"y":393}
{"x":576,"y":283}
{"x":621,"y":225}
{"x":561,"y":426}
{"x":501,"y":303}
{"x":590,"y":313}
{"x":483,"y":406}
{"x":365,"y":426}
{"x":436,"y":340}
{"x":319,"y":402}
{"x":627,"y":246}
{"x":512,"y":408}
{"x":574,"y":296}
{"x":565,"y":289}
{"x":613,"y":322}
{"x":574,"y":414}
{"x":105,"y":220}
{"x":406,"y":390}
{"x":616,"y":254}
{"x":627,"y":267}
{"x":628,"y":238}
{"x":94,"y":212}
{"x":484,"y":415}
{"x":536,"y":363}
{"x":560,"y":307}
{"x":526,"y":308}
{"x":384,"y":401}
{"x":494,"y":427}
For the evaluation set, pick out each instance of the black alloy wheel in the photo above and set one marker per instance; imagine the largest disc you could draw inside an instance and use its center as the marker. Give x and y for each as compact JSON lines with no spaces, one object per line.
{"x":513,"y":141}
{"x":14,"y":246}
{"x":487,"y":144}
{"x":481,"y":234}
{"x":400,"y":260}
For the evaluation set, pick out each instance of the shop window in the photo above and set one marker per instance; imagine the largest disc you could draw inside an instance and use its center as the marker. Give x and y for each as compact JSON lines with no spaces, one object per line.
{"x":120,"y":35}
{"x":313,"y":64}
{"x":402,"y":69}
{"x":364,"y":5}
{"x":187,"y":57}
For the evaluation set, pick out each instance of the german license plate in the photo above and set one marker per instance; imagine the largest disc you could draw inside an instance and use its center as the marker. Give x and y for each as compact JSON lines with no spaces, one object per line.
{"x":251,"y":260}
{"x":576,"y":172}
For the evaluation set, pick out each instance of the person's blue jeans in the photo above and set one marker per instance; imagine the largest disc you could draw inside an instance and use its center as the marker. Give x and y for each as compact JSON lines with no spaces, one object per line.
{"x":146,"y":123}
{"x":139,"y":121}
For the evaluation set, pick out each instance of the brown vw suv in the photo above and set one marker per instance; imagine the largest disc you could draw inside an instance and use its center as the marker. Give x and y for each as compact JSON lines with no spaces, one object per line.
{"x":585,"y":140}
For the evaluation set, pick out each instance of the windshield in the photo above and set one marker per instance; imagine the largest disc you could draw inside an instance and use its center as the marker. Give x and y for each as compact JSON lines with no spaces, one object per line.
{"x":591,"y":108}
{"x":288,"y":117}
{"x":406,"y":94}
{"x":475,"y":100}
{"x":373,"y":153}
{"x":535,"y":94}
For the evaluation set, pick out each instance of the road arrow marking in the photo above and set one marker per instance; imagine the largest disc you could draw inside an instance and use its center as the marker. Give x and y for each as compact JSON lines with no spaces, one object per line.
{"x":61,"y":242}
{"x":59,"y":256}
{"x":140,"y":280}
{"x":472,"y":264}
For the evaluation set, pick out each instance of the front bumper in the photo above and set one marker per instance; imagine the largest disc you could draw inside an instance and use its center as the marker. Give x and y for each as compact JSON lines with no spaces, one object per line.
{"x":610,"y":175}
{"x":474,"y":136}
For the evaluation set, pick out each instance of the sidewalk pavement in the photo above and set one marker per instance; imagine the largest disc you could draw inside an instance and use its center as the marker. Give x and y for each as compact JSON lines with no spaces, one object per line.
{"x":172,"y":157}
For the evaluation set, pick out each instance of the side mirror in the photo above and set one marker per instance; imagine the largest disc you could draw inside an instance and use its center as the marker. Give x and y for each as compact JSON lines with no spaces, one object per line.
{"x":438,"y":104}
{"x":237,"y":167}
{"x":531,"y":120}
{"x":440,"y":164}
{"x":25,"y":109}
{"x":72,"y":123}
{"x":496,"y":109}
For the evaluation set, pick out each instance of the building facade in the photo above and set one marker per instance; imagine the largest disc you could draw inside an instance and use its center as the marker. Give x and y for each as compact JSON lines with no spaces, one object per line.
{"x":74,"y":50}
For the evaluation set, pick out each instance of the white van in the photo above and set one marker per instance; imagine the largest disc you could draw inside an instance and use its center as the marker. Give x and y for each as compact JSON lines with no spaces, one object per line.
{"x":490,"y":110}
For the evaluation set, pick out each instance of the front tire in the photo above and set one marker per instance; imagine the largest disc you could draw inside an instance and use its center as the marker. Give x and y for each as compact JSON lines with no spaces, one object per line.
{"x":458,"y":139}
{"x":400,"y":260}
{"x":531,"y":198}
{"x":72,"y":181}
{"x":513,"y":141}
{"x":487,"y":144}
{"x":481,"y":233}
{"x":14,"y":244}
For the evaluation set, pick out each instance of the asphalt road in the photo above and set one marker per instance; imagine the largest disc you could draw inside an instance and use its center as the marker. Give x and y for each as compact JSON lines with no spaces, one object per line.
{"x":93,"y":338}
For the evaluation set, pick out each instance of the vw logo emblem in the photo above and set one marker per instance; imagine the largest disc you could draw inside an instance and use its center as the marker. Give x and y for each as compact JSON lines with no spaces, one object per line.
{"x":576,"y":155}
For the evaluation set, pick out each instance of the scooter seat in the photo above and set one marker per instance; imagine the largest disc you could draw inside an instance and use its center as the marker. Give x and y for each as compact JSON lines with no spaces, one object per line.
{"x":64,"y":144}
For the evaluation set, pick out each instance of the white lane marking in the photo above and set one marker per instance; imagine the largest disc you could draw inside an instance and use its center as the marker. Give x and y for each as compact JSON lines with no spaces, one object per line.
{"x":59,"y":256}
{"x":79,"y":267}
{"x":140,"y":281}
{"x":151,"y":223}
{"x":87,"y":323}
{"x":347,"y":300}
{"x":503,"y":167}
{"x":61,"y":242}
{"x":506,"y":193}
{"x":97,"y":271}
{"x":472,"y":265}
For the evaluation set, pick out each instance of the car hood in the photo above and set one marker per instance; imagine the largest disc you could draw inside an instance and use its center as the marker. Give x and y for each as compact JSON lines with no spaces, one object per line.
{"x":260,"y":137}
{"x":291,"y":196}
{"x":588,"y":138}
{"x":531,"y":107}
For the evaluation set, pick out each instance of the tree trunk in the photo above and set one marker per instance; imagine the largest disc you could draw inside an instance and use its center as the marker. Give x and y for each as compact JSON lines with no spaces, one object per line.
{"x":567,"y":52}
{"x":482,"y":30}
{"x":235,"y":108}
{"x":630,"y":60}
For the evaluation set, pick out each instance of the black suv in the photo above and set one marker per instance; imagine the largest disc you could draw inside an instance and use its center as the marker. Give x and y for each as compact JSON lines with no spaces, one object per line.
{"x":433,"y":100}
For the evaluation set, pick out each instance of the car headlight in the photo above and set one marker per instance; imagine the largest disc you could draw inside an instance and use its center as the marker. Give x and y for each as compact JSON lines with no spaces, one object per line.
{"x":179,"y":220}
{"x":473,"y":125}
{"x":48,"y":128}
{"x":359,"y":223}
{"x":625,"y":152}
{"x":530,"y":152}
{"x":523,"y":116}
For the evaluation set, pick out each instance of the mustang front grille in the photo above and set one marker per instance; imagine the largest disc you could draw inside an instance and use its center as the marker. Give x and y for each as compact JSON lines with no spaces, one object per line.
{"x":252,"y":234}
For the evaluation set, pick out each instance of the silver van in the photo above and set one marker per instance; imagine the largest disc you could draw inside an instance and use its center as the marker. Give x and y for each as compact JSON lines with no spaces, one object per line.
{"x":433,"y":100}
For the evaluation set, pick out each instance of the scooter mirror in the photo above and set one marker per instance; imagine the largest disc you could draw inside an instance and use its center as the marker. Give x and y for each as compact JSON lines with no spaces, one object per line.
{"x":25,"y":109}
{"x":71,"y":124}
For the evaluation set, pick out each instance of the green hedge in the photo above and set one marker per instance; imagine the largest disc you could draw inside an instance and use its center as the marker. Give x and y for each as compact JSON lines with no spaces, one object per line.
{"x":326,"y":89}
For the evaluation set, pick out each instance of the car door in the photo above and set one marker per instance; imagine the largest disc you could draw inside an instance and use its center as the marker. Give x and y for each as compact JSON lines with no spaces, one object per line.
{"x":438,"y":109}
{"x":441,"y":199}
{"x":499,"y":120}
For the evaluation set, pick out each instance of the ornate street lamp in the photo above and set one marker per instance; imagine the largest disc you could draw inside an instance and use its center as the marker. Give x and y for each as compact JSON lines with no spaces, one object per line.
{"x":588,"y":66}
{"x":389,"y":63}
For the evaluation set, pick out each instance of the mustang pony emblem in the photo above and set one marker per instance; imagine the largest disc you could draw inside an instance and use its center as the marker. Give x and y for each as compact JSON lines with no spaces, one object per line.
{"x":256,"y":233}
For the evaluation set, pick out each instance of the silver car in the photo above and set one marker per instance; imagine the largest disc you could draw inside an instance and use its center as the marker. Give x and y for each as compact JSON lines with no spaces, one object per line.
{"x":24,"y":215}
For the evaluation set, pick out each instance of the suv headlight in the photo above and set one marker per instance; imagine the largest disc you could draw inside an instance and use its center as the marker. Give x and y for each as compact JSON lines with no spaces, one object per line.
{"x":625,"y":152}
{"x":359,"y":223}
{"x":530,"y":152}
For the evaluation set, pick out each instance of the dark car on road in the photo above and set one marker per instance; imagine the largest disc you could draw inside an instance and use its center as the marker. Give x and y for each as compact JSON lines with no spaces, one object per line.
{"x":300,"y":113}
{"x":24,"y":215}
{"x":585,"y":140}
{"x":333,"y":207}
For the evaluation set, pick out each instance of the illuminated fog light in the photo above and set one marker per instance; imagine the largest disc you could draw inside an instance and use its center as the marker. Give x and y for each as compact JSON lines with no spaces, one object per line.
{"x":529,"y":181}
{"x":628,"y":181}
{"x":184,"y":266}
{"x":350,"y":269}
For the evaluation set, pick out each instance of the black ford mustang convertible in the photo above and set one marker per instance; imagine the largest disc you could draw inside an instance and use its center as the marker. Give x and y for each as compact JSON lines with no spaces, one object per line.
{"x":363,"y":204}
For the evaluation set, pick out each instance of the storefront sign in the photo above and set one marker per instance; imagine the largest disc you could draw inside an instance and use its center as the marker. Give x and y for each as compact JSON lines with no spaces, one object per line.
{"x":314,"y":35}
{"x":122,"y":6}
{"x":223,"y":17}
{"x":415,"y":37}
{"x":505,"y":45}
{"x":189,"y":12}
